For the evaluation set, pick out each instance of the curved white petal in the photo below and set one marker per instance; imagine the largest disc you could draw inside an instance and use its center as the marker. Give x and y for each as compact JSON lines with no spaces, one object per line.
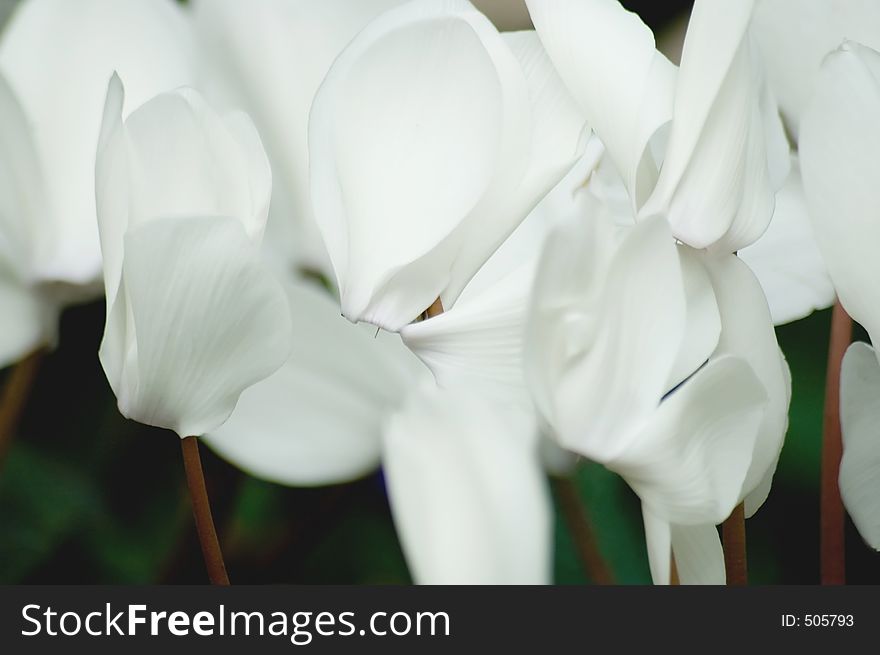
{"x":699,"y":557}
{"x":606,"y":57}
{"x":714,"y":182}
{"x":795,"y":36}
{"x":658,"y":540}
{"x":747,"y":332}
{"x":859,"y":421}
{"x":689,"y":461}
{"x":840,"y":139}
{"x":482,"y":335}
{"x":57,"y":56}
{"x":467,"y":491}
{"x":198,"y":329}
{"x":703,"y":323}
{"x":174,"y":156}
{"x":786,"y":259}
{"x":422,"y":119}
{"x":269,"y":58}
{"x":317,"y":420}
{"x":22,"y":193}
{"x":605,"y":327}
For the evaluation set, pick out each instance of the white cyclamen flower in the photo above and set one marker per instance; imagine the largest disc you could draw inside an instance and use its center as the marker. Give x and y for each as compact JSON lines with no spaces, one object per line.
{"x":430,"y":140}
{"x":719,"y":141}
{"x":57,"y":56}
{"x":839,"y":142}
{"x":193,"y":316}
{"x":703,"y":122}
{"x":612,"y":390}
{"x":269,"y":57}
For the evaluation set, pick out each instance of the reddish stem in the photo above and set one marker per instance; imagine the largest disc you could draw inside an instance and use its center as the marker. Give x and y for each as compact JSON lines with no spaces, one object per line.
{"x":577,"y":518}
{"x":831,"y":542}
{"x":733,"y":536}
{"x":195,"y":480}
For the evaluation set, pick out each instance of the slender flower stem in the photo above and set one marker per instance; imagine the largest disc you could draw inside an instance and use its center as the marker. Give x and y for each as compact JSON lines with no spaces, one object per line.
{"x":831,"y":541}
{"x":577,"y":518}
{"x":435,"y":309}
{"x":14,"y":397}
{"x":733,"y":537}
{"x":195,"y":480}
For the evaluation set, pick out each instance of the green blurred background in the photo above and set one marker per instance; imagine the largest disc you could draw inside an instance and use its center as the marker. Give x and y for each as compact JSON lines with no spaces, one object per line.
{"x":88,"y":497}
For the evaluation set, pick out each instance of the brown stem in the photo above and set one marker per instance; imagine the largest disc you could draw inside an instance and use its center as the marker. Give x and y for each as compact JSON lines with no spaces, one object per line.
{"x":733,"y":537}
{"x":577,"y":519}
{"x":195,"y":480}
{"x":435,"y":309}
{"x":14,"y":397}
{"x":831,"y":541}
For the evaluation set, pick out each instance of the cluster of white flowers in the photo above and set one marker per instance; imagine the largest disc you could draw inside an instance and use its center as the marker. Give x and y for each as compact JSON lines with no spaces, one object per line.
{"x":574,"y":238}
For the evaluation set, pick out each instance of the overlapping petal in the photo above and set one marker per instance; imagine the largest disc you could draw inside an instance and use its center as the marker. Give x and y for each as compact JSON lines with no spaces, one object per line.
{"x":467,"y":491}
{"x":689,"y":462}
{"x":269,"y":58}
{"x":595,"y":367}
{"x":859,"y":421}
{"x":175,"y":157}
{"x":482,"y":336}
{"x":198,"y":329}
{"x":714,"y":183}
{"x":839,"y":142}
{"x":421,"y":142}
{"x":318,"y":419}
{"x":747,"y":333}
{"x":607,"y":59}
{"x":786,"y":259}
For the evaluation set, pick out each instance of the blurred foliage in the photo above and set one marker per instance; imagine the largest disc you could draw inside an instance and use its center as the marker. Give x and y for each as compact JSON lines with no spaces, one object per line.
{"x":86,"y":496}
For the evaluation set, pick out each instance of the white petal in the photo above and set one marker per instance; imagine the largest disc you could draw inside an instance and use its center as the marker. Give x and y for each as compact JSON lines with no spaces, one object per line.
{"x":57,"y":56}
{"x":467,"y":492}
{"x":795,"y":36}
{"x":859,"y":421}
{"x":606,"y":57}
{"x":689,"y":461}
{"x":197,"y":329}
{"x":607,"y":321}
{"x":482,"y":336}
{"x":747,"y":332}
{"x":658,"y":539}
{"x":786,"y":259}
{"x":703,"y":324}
{"x":317,"y":420}
{"x":840,"y":140}
{"x":269,"y":57}
{"x":699,"y":557}
{"x":422,"y":119}
{"x":714,"y":181}
{"x":22,"y":193}
{"x":174,"y":156}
